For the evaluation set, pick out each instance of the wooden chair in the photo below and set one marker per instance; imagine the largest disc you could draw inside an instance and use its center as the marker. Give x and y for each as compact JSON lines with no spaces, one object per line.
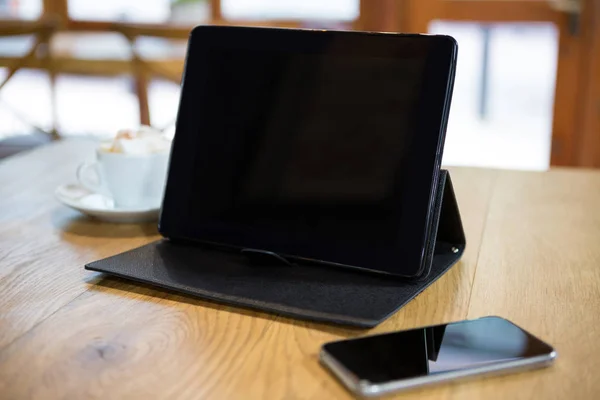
{"x":56,"y":22}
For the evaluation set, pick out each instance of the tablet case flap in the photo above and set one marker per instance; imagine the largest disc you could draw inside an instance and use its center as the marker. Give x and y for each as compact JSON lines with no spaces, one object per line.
{"x":312,"y":292}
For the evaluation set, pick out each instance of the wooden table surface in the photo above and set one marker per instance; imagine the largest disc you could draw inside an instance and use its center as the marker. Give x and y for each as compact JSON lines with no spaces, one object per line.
{"x":533,"y":256}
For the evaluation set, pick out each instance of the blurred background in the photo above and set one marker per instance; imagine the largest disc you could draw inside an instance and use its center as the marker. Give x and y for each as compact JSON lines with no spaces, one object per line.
{"x":527,"y":92}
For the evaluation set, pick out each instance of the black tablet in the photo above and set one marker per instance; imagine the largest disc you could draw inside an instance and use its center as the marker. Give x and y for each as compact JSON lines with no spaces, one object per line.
{"x":313,"y":145}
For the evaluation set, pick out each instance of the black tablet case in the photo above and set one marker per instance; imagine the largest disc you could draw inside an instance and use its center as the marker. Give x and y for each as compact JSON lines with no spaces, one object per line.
{"x":312,"y":292}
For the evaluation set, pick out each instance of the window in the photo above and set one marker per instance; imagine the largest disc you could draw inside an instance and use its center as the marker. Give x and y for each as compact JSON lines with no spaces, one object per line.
{"x":503,"y":99}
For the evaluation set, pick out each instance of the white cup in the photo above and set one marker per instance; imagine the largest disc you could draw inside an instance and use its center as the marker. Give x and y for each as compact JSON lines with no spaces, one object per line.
{"x":133,"y":181}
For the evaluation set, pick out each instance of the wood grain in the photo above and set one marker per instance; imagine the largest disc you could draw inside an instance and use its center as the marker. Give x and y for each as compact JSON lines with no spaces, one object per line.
{"x":532,"y":256}
{"x":43,"y":244}
{"x":540,"y":267}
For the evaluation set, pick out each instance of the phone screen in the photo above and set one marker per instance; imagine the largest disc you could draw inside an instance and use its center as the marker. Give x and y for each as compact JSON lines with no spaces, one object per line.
{"x":436,"y":350}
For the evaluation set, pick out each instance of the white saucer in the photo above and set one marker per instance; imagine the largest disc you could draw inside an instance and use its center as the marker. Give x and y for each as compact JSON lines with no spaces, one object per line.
{"x":101,"y":207}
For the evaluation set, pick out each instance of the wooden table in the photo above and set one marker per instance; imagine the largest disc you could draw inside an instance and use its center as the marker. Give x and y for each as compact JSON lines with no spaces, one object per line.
{"x":533,"y":256}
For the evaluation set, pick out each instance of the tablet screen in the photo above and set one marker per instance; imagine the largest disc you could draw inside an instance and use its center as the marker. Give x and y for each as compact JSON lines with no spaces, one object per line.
{"x":306,"y":152}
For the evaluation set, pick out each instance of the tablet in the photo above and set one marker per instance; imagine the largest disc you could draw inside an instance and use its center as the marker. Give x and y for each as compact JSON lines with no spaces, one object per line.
{"x":313,"y":145}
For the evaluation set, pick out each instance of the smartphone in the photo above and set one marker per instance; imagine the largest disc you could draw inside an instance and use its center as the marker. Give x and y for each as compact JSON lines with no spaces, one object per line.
{"x":381,"y":364}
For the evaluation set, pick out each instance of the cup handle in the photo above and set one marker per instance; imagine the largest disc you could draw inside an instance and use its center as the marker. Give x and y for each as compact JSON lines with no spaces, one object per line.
{"x":83,"y":176}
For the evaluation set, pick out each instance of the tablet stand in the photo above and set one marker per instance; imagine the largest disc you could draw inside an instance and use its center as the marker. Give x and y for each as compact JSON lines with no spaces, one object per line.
{"x":267,"y":282}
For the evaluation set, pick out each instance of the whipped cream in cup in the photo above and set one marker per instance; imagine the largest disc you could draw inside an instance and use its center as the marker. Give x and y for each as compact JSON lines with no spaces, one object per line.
{"x":144,"y":140}
{"x":131,"y":168}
